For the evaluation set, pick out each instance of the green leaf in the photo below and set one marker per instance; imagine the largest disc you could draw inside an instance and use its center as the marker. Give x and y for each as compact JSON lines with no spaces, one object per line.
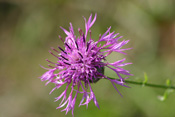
{"x":168,"y":82}
{"x":145,"y":79}
{"x":165,"y":95}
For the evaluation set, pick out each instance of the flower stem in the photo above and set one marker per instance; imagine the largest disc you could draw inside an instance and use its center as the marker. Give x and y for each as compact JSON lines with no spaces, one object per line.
{"x":148,"y":84}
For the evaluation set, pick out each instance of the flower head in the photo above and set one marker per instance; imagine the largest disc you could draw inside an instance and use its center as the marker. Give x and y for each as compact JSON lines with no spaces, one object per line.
{"x":82,"y":63}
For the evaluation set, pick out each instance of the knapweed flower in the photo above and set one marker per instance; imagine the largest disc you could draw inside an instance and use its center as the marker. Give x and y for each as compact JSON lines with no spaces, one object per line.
{"x":81,"y":63}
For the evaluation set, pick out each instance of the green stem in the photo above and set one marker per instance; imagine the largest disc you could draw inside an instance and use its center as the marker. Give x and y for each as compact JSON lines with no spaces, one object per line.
{"x":148,"y":84}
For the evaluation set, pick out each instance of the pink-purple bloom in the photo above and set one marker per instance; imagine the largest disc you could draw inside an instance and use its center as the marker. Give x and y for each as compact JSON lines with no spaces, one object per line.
{"x":81,"y":63}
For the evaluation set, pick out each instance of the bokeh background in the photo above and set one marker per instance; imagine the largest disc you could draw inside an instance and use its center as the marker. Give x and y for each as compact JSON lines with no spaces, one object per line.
{"x":29,"y":28}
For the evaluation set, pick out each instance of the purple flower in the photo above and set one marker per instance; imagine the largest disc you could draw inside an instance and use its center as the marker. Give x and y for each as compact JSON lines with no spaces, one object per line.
{"x":82,"y":63}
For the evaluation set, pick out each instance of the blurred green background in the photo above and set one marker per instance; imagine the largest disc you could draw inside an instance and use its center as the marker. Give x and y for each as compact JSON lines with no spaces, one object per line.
{"x":29,"y":28}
